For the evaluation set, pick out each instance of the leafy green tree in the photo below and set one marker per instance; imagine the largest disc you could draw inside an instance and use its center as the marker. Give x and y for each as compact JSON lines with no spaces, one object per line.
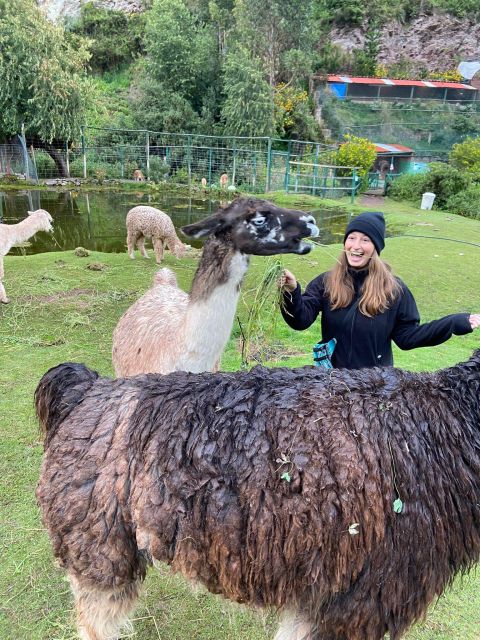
{"x":366,"y":59}
{"x":116,"y":37}
{"x":159,"y":109}
{"x":248,"y":106}
{"x":344,"y":12}
{"x":182,"y":57}
{"x":42,"y":82}
{"x":271,"y":28}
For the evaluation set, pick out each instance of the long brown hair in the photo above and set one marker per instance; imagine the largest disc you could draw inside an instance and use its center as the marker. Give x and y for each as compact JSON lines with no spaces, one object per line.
{"x":379,"y":290}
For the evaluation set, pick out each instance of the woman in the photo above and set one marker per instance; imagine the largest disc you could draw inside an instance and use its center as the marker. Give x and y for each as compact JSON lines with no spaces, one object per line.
{"x":363,"y":305}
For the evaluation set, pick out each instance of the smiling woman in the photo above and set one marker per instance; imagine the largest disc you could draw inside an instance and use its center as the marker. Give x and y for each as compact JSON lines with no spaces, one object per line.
{"x":364,"y":306}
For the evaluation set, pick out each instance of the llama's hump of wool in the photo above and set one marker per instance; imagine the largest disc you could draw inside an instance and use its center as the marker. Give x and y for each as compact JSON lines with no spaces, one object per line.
{"x":145,"y":340}
{"x":151,"y":222}
{"x":165,"y":277}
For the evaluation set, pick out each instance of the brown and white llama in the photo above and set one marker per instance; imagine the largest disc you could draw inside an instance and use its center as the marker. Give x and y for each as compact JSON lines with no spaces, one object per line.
{"x":148,"y":222}
{"x":14,"y":234}
{"x":168,"y":329}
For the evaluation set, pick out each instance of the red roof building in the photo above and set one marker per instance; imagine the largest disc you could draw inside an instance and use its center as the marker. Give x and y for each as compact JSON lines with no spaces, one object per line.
{"x":367,"y":89}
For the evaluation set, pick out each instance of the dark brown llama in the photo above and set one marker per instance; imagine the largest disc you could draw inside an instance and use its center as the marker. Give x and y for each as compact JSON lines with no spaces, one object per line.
{"x":273,"y":487}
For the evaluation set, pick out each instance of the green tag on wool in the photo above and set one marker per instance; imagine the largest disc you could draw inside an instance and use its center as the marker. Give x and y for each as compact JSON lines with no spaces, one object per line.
{"x":398,"y":506}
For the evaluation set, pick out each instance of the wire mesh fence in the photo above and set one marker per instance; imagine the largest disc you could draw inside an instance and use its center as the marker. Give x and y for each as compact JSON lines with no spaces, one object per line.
{"x":15,"y":160}
{"x":256,"y":165}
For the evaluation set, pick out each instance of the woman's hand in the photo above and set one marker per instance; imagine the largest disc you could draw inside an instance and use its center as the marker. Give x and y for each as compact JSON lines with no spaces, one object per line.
{"x":475,"y":320}
{"x":287,"y":281}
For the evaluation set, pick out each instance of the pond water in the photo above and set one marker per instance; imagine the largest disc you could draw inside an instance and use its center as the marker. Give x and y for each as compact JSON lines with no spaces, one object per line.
{"x":96,"y":220}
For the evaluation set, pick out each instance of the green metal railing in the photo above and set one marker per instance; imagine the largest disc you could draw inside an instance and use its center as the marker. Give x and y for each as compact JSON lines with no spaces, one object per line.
{"x":257,"y":164}
{"x":325,"y":180}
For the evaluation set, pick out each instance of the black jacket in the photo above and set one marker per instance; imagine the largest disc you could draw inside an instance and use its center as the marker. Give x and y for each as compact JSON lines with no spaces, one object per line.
{"x":364,"y":341}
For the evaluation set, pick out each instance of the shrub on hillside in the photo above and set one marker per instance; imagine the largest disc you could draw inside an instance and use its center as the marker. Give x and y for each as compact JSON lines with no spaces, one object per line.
{"x":445,"y":181}
{"x":441,"y":179}
{"x":466,"y":203}
{"x":466,"y":155}
{"x":410,"y":187}
{"x":356,"y":152}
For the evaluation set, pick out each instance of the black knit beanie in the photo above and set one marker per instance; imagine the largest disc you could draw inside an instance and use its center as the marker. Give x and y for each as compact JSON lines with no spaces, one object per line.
{"x":372,"y":224}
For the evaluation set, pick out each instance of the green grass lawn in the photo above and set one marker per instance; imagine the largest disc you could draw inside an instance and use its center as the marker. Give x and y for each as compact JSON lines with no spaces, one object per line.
{"x":62,"y":309}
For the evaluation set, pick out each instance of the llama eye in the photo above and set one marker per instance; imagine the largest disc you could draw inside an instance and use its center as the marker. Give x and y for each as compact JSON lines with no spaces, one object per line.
{"x":258,"y":221}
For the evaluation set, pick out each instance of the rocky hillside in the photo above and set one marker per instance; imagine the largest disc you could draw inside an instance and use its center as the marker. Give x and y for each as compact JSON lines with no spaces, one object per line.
{"x":56,"y":10}
{"x":438,"y":42}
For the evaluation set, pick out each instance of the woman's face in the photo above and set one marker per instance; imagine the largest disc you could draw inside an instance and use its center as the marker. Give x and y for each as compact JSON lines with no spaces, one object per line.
{"x":359,"y":249}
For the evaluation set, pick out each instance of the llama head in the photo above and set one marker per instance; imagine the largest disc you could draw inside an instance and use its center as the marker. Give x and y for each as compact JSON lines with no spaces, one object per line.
{"x":44,"y":219}
{"x":258,"y":227}
{"x":179,"y":249}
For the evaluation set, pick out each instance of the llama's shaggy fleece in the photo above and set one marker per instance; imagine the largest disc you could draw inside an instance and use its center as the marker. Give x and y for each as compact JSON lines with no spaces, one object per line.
{"x":13,"y":234}
{"x":147,"y":222}
{"x":252,"y":482}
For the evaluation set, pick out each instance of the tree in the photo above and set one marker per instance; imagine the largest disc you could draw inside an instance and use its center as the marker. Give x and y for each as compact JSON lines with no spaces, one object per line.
{"x":248,"y":107}
{"x":271,"y":28}
{"x":366,"y":59}
{"x":160,"y":109}
{"x":181,"y":51}
{"x":114,"y":35}
{"x":42,"y":81}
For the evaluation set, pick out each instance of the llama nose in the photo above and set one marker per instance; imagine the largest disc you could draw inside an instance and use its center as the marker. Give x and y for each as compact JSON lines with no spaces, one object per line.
{"x":312,"y":225}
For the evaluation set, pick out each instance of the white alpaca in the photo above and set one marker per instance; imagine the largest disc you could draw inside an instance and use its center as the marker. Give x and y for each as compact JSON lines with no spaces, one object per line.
{"x":170,"y":330}
{"x":13,"y":234}
{"x":147,"y":222}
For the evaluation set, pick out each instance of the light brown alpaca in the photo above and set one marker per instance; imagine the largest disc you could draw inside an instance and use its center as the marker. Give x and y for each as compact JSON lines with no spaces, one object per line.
{"x":13,"y":234}
{"x":138,"y":176}
{"x":147,"y":222}
{"x":170,"y":330}
{"x":223,"y":181}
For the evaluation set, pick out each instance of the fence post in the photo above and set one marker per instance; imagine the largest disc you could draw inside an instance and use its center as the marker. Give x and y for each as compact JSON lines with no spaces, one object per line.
{"x":189,"y":159}
{"x":315,"y":171}
{"x":32,"y":150}
{"x":67,"y":158}
{"x":287,"y":168}
{"x":234,"y":169}
{"x":269,"y":165}
{"x":25,"y":154}
{"x":324,"y":181}
{"x":84,"y":152}
{"x":209,"y":167}
{"x":354,"y":184}
{"x":147,"y":152}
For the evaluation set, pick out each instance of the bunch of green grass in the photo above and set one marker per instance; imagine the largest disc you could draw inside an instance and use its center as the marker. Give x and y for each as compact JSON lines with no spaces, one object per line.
{"x":263,"y":303}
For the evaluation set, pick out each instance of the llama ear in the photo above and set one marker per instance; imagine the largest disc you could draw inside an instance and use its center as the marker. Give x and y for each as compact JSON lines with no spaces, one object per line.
{"x":203,"y":228}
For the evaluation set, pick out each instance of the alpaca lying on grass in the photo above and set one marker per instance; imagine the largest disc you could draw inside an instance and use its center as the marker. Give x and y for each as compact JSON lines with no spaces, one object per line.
{"x":169,"y":330}
{"x":13,"y":234}
{"x":348,"y":500}
{"x":147,"y":222}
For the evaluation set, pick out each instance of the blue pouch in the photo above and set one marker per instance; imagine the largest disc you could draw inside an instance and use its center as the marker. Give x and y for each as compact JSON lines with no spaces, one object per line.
{"x":322,"y":353}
